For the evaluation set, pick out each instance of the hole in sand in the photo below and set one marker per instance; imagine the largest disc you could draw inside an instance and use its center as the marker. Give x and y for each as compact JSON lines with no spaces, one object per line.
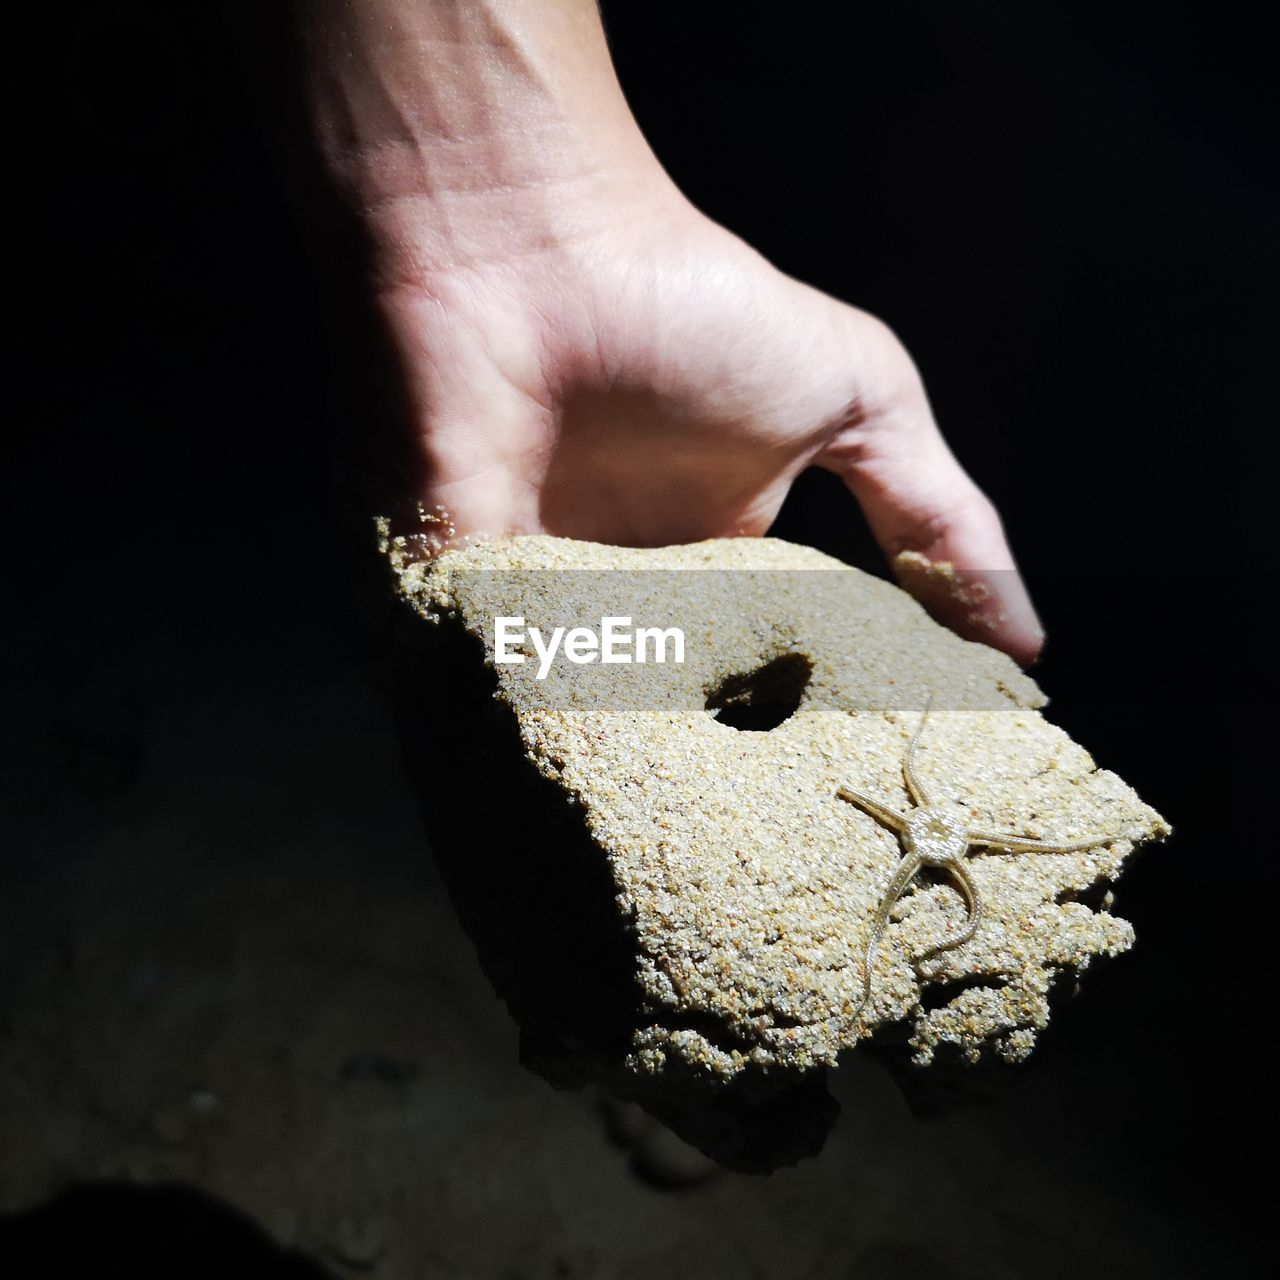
{"x":760,"y":700}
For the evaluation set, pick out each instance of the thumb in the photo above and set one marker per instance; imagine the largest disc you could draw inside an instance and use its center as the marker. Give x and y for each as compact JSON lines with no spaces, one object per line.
{"x":940,"y":532}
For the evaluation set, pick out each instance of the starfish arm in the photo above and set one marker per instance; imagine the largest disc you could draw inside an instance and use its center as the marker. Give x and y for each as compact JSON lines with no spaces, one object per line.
{"x":907,"y":870}
{"x":972,"y":903}
{"x":1024,"y":844}
{"x":915,"y":788}
{"x":881,"y":812}
{"x":905,"y":873}
{"x":868,"y":959}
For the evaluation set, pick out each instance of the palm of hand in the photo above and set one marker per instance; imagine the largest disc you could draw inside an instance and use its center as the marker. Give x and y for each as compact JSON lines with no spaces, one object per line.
{"x":662,"y":383}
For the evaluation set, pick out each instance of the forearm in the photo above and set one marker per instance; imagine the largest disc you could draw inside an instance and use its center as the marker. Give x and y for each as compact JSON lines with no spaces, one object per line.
{"x":470,"y":129}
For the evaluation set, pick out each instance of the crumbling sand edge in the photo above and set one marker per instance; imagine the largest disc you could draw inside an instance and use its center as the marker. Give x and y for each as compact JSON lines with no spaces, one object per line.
{"x":736,"y":978}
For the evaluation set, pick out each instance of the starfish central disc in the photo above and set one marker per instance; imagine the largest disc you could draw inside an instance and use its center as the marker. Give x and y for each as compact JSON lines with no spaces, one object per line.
{"x":934,"y":837}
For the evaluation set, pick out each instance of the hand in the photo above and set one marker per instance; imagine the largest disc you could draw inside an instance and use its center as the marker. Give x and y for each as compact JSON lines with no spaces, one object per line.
{"x":576,"y":349}
{"x":656,"y":381}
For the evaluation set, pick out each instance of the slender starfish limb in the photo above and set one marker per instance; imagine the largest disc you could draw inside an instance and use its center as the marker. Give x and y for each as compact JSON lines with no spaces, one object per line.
{"x":1024,"y":844}
{"x":915,"y":788}
{"x":902,"y":877}
{"x":973,"y":904}
{"x":881,"y":812}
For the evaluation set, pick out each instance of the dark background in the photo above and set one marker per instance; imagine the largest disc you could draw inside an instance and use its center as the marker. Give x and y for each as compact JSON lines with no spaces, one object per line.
{"x":1067,"y":212}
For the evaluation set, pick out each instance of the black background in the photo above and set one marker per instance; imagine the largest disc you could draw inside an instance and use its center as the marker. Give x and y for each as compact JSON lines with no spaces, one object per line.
{"x":1067,"y":212}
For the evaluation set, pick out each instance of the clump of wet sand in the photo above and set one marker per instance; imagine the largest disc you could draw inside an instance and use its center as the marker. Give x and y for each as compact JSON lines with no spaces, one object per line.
{"x":744,"y":891}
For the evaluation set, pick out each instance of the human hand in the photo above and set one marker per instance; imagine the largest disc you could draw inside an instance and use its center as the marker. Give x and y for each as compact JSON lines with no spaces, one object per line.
{"x":656,"y":381}
{"x":576,"y":350}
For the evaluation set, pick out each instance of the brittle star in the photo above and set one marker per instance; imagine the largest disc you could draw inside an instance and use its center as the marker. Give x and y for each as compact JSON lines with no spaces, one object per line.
{"x":931,"y":836}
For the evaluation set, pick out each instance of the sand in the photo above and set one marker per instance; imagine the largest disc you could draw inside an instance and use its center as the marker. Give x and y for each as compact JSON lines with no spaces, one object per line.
{"x":742,"y":891}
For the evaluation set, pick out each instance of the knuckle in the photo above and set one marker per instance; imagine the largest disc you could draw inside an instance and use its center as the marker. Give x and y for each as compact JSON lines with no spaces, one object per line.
{"x":887,"y":373}
{"x":974,"y":511}
{"x":938,"y":514}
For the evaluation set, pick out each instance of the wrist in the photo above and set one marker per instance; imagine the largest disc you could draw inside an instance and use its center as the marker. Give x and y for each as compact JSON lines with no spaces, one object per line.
{"x":409,"y":234}
{"x":453,"y":134}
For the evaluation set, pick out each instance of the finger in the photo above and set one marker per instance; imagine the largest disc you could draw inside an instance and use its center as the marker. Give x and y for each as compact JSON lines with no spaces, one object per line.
{"x":941,"y":534}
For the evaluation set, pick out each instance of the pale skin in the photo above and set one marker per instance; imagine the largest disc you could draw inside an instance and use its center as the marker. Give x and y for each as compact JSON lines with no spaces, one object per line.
{"x":575,"y":349}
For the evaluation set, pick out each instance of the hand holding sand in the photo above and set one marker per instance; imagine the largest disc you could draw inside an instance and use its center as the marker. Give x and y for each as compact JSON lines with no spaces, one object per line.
{"x":564,"y":344}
